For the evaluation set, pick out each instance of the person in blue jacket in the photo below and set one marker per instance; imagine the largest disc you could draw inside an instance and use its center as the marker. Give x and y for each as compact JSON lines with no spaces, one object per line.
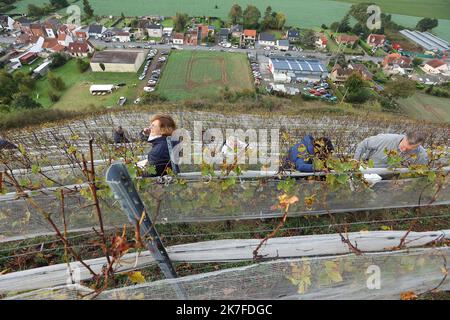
{"x":301,"y":156}
{"x":161,"y":127}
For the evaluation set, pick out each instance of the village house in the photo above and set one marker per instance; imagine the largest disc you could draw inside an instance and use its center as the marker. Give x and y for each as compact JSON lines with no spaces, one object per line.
{"x":395,"y":63}
{"x":6,"y":23}
{"x":28,"y":58}
{"x":362,"y":70}
{"x":80,"y":48}
{"x":167,"y":31}
{"x":96,"y":30}
{"x":376,"y":40}
{"x":283,"y":45}
{"x":435,"y":66}
{"x":266,"y":39}
{"x":339,"y":74}
{"x":236,"y":30}
{"x":248,"y":37}
{"x":38,"y":30}
{"x":345,"y":39}
{"x":192,"y":37}
{"x":178,"y":38}
{"x":224,"y":35}
{"x":154,"y":30}
{"x":321,"y":42}
{"x":122,"y":36}
{"x":22,"y":24}
{"x":293,"y":35}
{"x":52,"y":45}
{"x":50,"y":30}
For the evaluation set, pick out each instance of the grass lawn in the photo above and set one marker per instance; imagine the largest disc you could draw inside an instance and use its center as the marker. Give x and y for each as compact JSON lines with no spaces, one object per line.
{"x":427,"y":107}
{"x":77,"y":95}
{"x":277,"y":33}
{"x":194,"y":74}
{"x":167,"y":23}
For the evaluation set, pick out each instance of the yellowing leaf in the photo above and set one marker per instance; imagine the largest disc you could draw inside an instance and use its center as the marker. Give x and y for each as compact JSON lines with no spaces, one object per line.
{"x":332,"y":269}
{"x":385,"y":228}
{"x":136,"y":277}
{"x":409,"y":295}
{"x":301,"y":276}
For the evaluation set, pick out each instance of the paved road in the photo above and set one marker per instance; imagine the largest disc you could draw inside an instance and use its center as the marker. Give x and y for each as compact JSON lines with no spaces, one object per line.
{"x":303,"y":54}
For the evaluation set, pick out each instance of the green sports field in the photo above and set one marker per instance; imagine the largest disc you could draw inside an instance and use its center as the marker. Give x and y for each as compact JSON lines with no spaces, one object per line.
{"x":195,"y":74}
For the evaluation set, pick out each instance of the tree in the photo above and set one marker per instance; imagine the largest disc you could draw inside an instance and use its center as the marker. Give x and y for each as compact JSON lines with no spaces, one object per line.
{"x":427,"y":24}
{"x":102,"y":66}
{"x":180,"y":21}
{"x":309,"y":38}
{"x":56,"y":82}
{"x":35,"y":11}
{"x":58,"y":4}
{"x":82,"y":65}
{"x":344,"y":25}
{"x":251,"y":17}
{"x":417,"y":61}
{"x":267,"y":19}
{"x":54,"y":97}
{"x":280,"y":20}
{"x":88,"y":9}
{"x":58,"y":60}
{"x":359,"y":12}
{"x":22,"y":100}
{"x":356,"y":89}
{"x":400,"y":88}
{"x":235,"y":14}
{"x":324,"y":26}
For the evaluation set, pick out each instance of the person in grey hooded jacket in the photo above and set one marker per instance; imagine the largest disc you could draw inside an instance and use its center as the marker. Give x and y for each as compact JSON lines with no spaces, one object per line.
{"x":408,"y":147}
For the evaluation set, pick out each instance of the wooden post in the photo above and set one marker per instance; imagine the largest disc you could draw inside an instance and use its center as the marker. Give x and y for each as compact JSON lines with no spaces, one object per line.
{"x":121,"y":184}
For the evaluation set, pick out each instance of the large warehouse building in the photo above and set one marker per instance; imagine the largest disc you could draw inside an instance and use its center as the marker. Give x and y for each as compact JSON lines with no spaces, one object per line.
{"x":305,"y":69}
{"x":119,"y":60}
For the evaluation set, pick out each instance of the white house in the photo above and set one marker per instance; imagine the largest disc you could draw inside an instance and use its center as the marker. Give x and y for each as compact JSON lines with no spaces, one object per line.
{"x":155,"y":30}
{"x":435,"y":66}
{"x":6,"y":23}
{"x":167,"y":31}
{"x":178,"y":38}
{"x":283,"y":45}
{"x":266,"y":39}
{"x":122,"y":36}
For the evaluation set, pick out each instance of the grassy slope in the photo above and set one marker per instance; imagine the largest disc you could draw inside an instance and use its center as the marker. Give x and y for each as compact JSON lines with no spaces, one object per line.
{"x":76,"y":95}
{"x":424,"y":106}
{"x":174,"y":81}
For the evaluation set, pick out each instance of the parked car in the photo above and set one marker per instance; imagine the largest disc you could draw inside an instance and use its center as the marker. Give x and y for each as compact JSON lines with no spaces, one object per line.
{"x":267,"y":48}
{"x":149,"y":89}
{"x":137,"y":101}
{"x":141,"y":77}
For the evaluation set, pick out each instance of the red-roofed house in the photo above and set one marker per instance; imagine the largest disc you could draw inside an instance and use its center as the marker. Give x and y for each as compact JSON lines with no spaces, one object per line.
{"x":435,"y":66}
{"x":248,"y":37}
{"x":38,"y":30}
{"x":395,"y":63}
{"x":28,"y":58}
{"x":321,"y":41}
{"x":376,"y":40}
{"x":203,"y":31}
{"x":346,"y":39}
{"x":80,"y":35}
{"x":80,"y":48}
{"x":49,"y":43}
{"x":64,"y":39}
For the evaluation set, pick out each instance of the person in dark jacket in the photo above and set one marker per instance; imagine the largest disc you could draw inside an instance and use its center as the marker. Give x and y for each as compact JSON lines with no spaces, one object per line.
{"x":301,"y":156}
{"x":119,"y":136}
{"x":161,"y":127}
{"x":6,"y":145}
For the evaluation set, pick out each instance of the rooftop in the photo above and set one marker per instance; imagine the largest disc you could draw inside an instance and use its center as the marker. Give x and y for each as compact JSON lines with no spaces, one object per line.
{"x":298,"y":65}
{"x":116,"y":56}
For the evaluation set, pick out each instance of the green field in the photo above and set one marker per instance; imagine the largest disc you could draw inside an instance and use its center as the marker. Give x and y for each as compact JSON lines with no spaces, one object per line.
{"x":77,"y":95}
{"x":419,"y":8}
{"x":301,"y":13}
{"x":427,"y":107}
{"x":193,"y":74}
